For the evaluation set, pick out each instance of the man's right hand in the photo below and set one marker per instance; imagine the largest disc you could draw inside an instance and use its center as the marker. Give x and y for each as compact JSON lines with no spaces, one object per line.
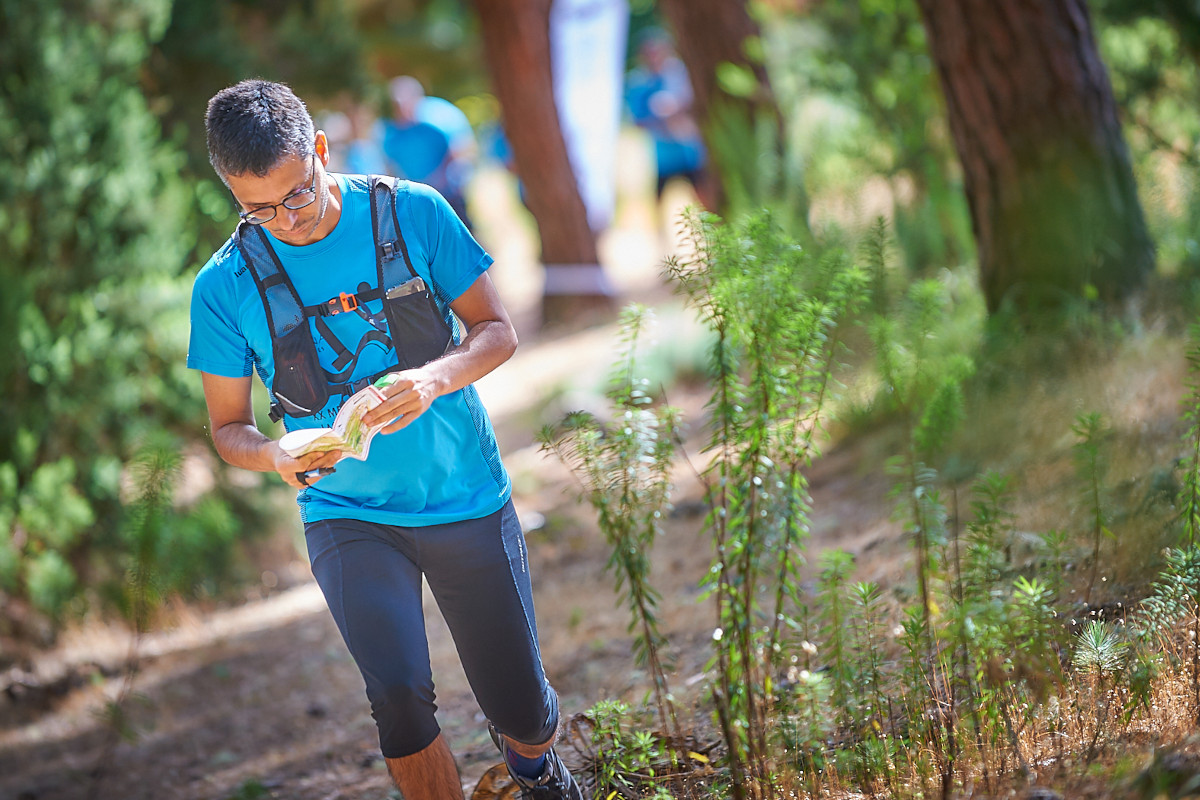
{"x":303,"y":471}
{"x":239,"y":441}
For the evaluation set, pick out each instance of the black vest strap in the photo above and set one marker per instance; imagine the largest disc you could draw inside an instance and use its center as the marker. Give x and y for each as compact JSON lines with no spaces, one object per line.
{"x":346,"y":360}
{"x":390,"y":271}
{"x":343,"y":302}
{"x":280,"y":300}
{"x":285,"y":312}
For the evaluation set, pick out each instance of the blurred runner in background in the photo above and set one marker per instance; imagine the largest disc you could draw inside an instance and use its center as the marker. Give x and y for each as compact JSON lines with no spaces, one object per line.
{"x":429,"y":140}
{"x":658,"y":94}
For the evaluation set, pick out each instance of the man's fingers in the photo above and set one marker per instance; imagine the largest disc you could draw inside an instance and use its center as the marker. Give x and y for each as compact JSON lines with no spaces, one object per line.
{"x":310,"y":476}
{"x":403,"y":406}
{"x":389,"y":409}
{"x":402,"y":422}
{"x":326,"y":459}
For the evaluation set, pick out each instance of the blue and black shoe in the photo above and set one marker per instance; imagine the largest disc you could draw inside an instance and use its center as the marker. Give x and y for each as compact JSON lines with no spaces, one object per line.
{"x":555,"y":782}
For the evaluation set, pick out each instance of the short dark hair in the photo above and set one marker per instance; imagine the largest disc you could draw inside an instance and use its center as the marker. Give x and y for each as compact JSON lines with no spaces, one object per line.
{"x":254,"y":125}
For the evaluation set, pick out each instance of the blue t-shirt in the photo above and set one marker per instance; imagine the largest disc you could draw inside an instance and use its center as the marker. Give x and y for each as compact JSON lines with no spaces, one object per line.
{"x":678,"y":146}
{"x":418,"y":151}
{"x":445,"y":466}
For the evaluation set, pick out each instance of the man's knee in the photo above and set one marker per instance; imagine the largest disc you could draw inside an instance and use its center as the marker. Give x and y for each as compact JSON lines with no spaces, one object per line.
{"x":404,"y":713}
{"x":533,"y":725}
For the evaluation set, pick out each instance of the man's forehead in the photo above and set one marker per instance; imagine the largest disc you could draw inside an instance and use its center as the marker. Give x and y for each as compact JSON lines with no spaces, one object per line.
{"x":286,"y":177}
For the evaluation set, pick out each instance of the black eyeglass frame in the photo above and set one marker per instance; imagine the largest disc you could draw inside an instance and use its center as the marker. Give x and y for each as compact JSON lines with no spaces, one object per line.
{"x":253,"y":216}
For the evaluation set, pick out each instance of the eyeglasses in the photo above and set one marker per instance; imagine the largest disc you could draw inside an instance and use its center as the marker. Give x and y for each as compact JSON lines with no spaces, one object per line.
{"x":293,"y":202}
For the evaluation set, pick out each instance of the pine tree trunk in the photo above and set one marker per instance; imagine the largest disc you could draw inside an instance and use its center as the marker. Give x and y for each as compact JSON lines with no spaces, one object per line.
{"x":516,"y":41}
{"x":709,"y":33}
{"x":1045,"y":166}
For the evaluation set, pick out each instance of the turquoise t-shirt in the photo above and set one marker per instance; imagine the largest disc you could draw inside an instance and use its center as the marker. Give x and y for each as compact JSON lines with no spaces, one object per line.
{"x":445,"y":466}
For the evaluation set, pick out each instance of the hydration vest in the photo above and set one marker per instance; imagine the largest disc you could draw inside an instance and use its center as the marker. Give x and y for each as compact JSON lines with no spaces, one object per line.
{"x":418,"y":331}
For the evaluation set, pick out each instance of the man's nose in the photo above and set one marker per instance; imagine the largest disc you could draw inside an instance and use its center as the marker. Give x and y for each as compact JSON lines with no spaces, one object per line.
{"x":287,"y":218}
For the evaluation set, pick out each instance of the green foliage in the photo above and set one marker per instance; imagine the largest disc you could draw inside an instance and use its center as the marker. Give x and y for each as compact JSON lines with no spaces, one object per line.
{"x":1099,"y":650}
{"x":120,"y":718}
{"x":1100,"y":655}
{"x":1173,"y":604}
{"x":251,"y":789}
{"x":96,"y":227}
{"x":1191,"y":461}
{"x":50,"y":582}
{"x":867,"y":624}
{"x":51,"y":509}
{"x":624,"y":467}
{"x":759,"y":166}
{"x":922,"y":375}
{"x":861,"y":98}
{"x":1032,"y":629}
{"x":1173,"y":595}
{"x":155,"y":472}
{"x":989,"y":535}
{"x":624,"y":761}
{"x":1150,"y":49}
{"x":316,"y":47}
{"x":922,"y":370}
{"x":94,"y":309}
{"x":835,"y":613}
{"x":806,"y":718}
{"x":776,"y":312}
{"x":981,"y":672}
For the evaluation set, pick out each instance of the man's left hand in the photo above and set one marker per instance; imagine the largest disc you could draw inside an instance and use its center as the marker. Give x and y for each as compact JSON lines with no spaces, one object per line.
{"x":408,"y":397}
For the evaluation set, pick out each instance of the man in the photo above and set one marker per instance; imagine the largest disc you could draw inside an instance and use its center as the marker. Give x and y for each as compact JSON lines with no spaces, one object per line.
{"x":429,"y":140}
{"x":433,"y":497}
{"x":659,"y":97}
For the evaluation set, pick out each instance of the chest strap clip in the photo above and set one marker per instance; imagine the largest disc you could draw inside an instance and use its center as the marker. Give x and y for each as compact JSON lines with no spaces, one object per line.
{"x":337,"y":305}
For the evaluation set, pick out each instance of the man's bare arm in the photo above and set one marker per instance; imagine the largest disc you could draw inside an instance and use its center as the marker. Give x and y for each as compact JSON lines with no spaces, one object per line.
{"x":490,"y":341}
{"x":239,"y":441}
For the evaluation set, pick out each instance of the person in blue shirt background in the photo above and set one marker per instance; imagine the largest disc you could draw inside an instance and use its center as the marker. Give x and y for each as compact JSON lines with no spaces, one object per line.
{"x":658,"y":94}
{"x":433,"y":499}
{"x":430,"y":140}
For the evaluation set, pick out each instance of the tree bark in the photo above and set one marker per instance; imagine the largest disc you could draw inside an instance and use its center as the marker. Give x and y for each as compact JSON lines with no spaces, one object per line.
{"x":1045,"y":166}
{"x":516,"y":43}
{"x":709,"y":33}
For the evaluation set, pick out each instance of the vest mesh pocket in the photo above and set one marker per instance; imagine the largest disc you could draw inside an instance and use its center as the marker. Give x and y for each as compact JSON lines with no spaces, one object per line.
{"x":299,"y":383}
{"x":419,"y":333}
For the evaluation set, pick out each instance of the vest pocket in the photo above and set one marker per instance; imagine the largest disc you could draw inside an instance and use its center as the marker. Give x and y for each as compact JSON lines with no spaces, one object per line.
{"x":419,"y":332}
{"x":299,"y":384}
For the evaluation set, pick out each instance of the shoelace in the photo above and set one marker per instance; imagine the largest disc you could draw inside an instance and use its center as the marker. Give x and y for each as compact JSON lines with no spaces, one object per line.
{"x":547,"y":787}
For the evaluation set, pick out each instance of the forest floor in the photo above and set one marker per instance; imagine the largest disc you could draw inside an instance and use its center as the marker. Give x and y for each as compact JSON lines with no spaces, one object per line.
{"x":261,"y":699}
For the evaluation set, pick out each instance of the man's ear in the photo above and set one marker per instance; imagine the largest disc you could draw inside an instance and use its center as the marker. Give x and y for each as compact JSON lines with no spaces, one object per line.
{"x":321,"y":147}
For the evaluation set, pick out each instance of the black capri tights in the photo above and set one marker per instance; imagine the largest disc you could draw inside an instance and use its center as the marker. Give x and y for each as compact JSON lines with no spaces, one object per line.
{"x":478,"y":571}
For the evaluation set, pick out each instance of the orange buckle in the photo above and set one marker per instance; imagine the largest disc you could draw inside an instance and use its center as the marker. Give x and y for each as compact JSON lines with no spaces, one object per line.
{"x":343,"y":302}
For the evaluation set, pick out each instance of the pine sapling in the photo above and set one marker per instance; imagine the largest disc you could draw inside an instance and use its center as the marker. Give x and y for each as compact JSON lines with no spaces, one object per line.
{"x":623,"y":466}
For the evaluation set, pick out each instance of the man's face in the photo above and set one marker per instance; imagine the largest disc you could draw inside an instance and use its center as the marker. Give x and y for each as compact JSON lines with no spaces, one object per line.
{"x":404,"y":108}
{"x":294,"y":174}
{"x":655,"y":54}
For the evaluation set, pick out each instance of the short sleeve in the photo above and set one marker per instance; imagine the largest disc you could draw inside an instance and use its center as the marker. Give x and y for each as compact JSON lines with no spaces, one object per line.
{"x":456,"y":260}
{"x":216,"y":346}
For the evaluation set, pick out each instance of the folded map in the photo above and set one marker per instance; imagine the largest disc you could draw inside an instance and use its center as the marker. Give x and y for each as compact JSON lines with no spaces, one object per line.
{"x":349,"y":433}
